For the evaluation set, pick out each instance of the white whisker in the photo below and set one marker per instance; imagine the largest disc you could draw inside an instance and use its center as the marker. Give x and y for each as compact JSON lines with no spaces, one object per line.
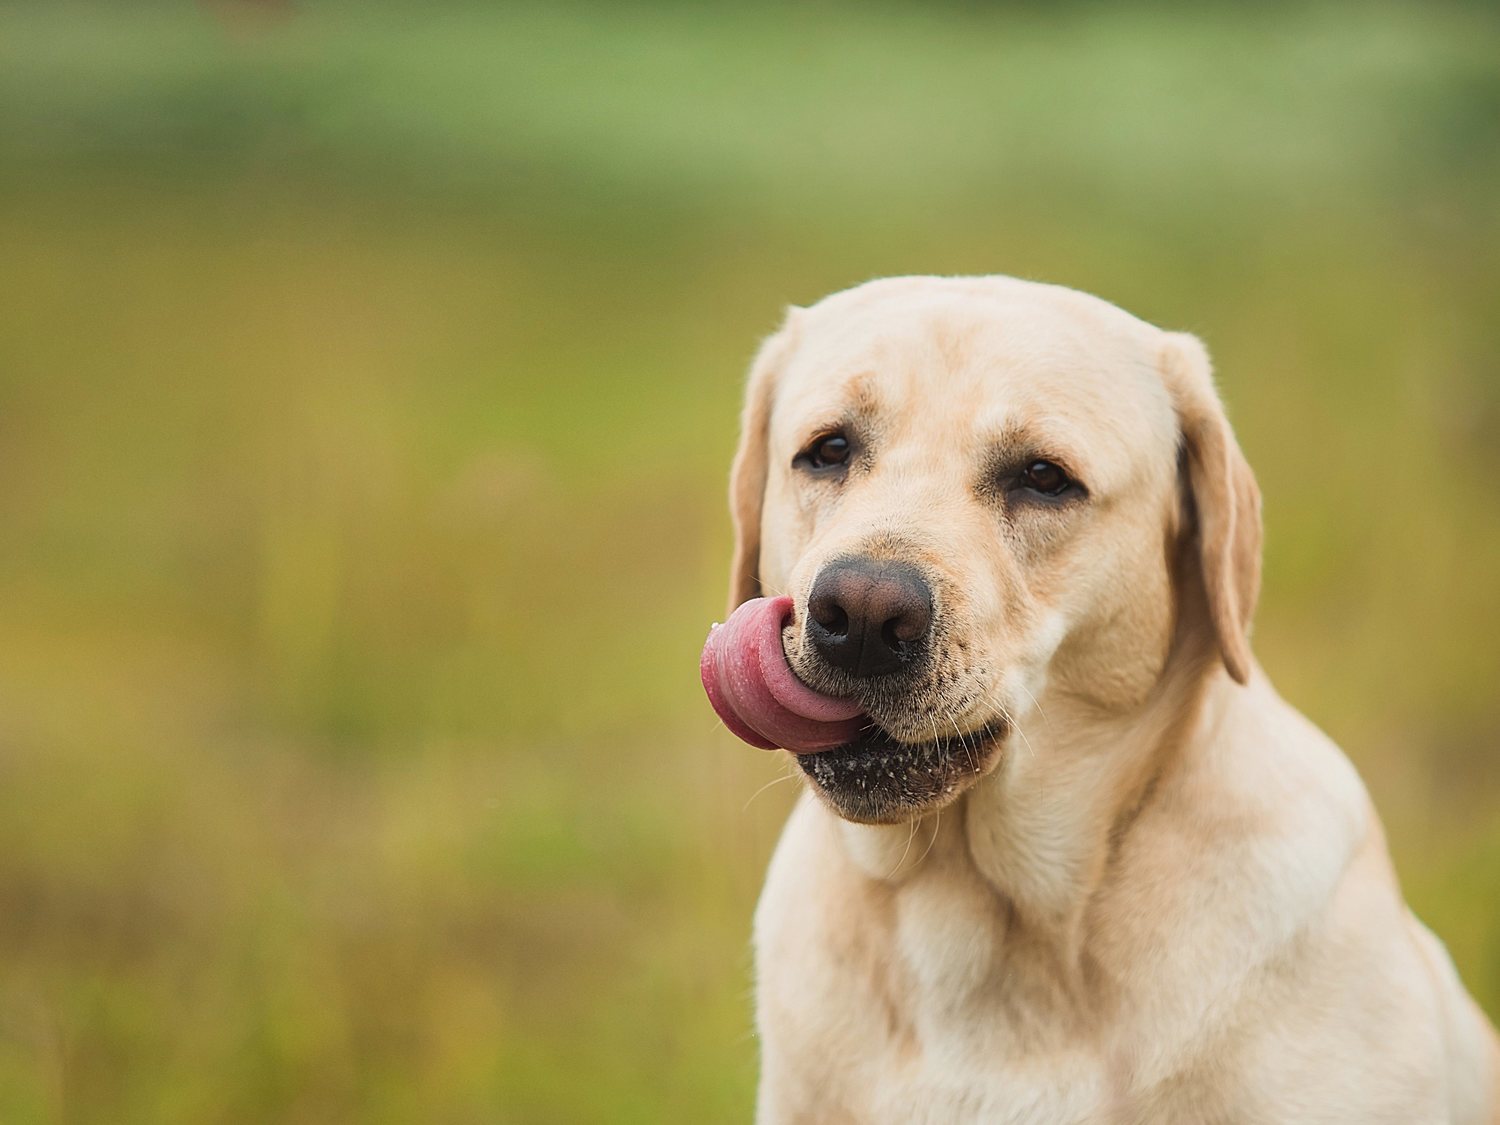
{"x":767,"y":785}
{"x":1035,"y":702}
{"x":968,"y":756}
{"x":905,"y":852}
{"x":992,"y":697}
{"x":937,"y":824}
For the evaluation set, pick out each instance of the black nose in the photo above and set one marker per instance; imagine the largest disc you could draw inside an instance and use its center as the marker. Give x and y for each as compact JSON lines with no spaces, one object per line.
{"x":869,"y":617}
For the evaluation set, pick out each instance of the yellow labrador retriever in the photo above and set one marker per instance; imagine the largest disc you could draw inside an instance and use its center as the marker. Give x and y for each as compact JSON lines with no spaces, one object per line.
{"x":1064,"y":855}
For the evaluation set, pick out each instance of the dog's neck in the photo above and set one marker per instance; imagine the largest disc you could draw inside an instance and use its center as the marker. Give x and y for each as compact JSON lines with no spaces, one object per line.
{"x":1042,"y":830}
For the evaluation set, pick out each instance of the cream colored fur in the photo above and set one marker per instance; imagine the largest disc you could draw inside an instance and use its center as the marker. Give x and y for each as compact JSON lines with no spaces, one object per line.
{"x":1166,"y":896}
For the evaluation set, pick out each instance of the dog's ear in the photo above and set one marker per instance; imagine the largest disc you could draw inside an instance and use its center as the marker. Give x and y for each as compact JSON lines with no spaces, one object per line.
{"x":1224,"y":497}
{"x":747,"y":477}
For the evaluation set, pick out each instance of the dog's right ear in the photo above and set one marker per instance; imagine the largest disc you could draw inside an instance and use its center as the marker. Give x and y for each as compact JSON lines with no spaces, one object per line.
{"x":1225,"y":500}
{"x":747,"y":477}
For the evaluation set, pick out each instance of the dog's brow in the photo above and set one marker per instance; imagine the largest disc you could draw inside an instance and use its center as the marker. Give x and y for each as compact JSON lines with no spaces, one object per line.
{"x":864,"y":402}
{"x":856,"y":405}
{"x":1014,"y":446}
{"x":1018,"y":442}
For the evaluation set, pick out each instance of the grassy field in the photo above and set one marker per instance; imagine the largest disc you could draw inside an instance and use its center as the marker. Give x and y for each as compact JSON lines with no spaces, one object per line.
{"x":368,"y":380}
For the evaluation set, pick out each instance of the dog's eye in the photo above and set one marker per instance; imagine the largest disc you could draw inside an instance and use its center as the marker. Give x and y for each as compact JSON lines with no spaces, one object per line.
{"x":826,"y":452}
{"x":1046,"y":478}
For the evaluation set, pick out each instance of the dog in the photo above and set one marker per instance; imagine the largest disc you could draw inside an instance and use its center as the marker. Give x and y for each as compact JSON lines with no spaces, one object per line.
{"x":1075,"y":860}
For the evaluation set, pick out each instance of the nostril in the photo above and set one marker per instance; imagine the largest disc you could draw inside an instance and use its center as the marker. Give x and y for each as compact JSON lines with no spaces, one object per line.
{"x":830,"y":616}
{"x":905,"y":628}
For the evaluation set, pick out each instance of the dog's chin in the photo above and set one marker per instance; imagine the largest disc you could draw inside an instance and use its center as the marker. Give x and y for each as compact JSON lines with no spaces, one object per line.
{"x":877,"y":779}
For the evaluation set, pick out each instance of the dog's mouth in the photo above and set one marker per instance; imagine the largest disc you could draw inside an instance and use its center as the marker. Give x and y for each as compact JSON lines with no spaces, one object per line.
{"x":876,"y":779}
{"x":861,"y":769}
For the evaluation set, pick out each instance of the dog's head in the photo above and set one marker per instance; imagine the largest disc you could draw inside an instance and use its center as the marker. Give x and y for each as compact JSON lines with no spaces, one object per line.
{"x":977,"y":491}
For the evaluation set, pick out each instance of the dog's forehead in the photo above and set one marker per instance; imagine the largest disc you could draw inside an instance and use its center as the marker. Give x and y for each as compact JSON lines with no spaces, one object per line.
{"x":980,"y":356}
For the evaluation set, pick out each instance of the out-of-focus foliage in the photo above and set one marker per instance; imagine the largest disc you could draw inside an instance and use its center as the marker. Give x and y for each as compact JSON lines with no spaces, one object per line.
{"x":368,"y":378}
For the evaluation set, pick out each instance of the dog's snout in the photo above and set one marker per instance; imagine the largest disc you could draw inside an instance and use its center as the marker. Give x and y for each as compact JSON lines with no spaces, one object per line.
{"x":869,"y":616}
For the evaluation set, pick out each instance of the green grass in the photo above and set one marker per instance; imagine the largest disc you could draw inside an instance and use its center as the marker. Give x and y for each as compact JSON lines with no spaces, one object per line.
{"x":367,"y":386}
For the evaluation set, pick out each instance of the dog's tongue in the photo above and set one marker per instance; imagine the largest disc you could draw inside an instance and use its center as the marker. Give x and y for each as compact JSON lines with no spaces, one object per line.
{"x":752,"y":687}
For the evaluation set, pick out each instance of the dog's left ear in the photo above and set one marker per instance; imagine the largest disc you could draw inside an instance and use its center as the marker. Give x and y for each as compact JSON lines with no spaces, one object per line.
{"x":1225,"y":498}
{"x":747,"y":477}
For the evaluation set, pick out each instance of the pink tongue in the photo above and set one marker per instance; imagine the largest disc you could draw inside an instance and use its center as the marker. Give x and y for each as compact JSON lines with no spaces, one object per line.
{"x":752,"y":687}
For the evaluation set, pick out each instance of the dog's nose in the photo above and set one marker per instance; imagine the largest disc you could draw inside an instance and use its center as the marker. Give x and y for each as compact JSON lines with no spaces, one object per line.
{"x":868,"y":616}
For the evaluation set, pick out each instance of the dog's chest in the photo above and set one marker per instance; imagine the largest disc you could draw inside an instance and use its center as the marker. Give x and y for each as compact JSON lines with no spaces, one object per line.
{"x":937,"y":1030}
{"x":916,"y":1001}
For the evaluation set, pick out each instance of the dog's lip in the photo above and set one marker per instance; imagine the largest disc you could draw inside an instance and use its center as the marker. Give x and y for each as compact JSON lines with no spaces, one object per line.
{"x":873,"y":738}
{"x":876,"y":779}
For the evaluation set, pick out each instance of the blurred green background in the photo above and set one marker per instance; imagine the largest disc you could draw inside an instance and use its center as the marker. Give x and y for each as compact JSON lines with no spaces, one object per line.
{"x":368,"y":381}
